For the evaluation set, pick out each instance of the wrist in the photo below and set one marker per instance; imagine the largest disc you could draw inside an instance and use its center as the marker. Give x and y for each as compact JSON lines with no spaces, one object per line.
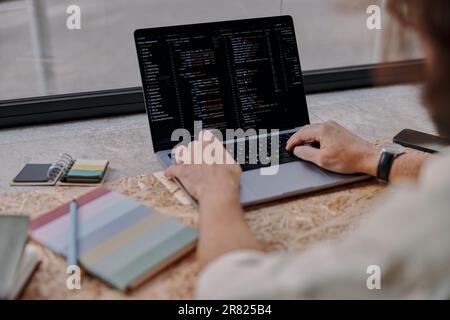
{"x":225,"y":207}
{"x":219,"y":195}
{"x":370,"y":161}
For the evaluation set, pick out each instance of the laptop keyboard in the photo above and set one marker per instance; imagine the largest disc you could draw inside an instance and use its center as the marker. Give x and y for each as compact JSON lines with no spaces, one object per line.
{"x":242,"y":154}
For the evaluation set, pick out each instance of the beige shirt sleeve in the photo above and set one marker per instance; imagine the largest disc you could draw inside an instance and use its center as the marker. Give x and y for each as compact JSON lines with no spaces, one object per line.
{"x":407,"y":237}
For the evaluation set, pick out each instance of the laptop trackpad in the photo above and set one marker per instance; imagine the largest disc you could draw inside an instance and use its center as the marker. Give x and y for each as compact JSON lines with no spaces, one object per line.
{"x":291,"y":177}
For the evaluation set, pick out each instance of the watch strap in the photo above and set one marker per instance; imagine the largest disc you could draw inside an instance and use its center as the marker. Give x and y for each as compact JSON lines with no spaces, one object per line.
{"x":385,"y":166}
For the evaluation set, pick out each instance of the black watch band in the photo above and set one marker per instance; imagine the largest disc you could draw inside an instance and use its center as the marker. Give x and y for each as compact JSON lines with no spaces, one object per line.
{"x":385,"y":166}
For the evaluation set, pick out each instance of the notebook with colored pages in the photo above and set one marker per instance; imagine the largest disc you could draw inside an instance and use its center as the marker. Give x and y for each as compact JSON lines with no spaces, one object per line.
{"x":120,"y":240}
{"x":65,"y":171}
{"x":84,"y":172}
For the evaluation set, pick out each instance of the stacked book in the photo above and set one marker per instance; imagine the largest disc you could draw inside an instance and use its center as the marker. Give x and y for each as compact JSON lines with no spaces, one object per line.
{"x":18,"y":260}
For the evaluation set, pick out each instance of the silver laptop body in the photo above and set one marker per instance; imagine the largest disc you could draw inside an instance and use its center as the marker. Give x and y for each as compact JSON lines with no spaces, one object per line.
{"x":185,"y":50}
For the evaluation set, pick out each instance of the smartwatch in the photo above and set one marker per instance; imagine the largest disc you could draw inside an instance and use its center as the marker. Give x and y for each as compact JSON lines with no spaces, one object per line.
{"x":389,"y":152}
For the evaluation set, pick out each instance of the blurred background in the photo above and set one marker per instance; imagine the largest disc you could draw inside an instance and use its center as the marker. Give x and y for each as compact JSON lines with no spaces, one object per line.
{"x":39,"y":56}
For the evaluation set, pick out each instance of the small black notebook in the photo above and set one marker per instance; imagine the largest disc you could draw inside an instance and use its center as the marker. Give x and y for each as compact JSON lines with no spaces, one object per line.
{"x":33,"y":173}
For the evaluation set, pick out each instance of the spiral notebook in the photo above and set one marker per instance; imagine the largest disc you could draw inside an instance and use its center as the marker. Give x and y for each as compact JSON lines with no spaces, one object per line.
{"x":65,"y":171}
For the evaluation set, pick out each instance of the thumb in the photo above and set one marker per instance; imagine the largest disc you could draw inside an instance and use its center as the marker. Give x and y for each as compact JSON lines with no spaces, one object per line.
{"x":173,"y":171}
{"x":307,"y":153}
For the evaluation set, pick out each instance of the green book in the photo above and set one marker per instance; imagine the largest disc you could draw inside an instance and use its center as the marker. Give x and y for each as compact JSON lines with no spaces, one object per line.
{"x":17,"y":261}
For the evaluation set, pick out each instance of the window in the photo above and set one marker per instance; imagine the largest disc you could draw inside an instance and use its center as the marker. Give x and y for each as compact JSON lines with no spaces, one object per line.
{"x":41,"y":57}
{"x":334,"y":33}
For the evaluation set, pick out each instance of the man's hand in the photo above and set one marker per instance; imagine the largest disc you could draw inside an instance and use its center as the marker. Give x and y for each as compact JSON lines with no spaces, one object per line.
{"x":205,"y":176}
{"x":214,"y":182}
{"x":340,"y":150}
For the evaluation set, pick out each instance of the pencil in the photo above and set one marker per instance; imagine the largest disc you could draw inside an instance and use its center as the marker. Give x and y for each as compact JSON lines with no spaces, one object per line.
{"x":73,"y":234}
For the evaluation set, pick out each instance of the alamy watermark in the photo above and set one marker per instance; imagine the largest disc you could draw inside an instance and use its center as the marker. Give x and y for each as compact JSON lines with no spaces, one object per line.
{"x":374,"y":280}
{"x":249,"y":146}
{"x":373,"y":22}
{"x":73,"y":281}
{"x":73,"y":21}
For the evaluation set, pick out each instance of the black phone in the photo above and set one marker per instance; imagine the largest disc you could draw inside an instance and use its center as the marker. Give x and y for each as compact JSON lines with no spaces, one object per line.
{"x":421,"y":141}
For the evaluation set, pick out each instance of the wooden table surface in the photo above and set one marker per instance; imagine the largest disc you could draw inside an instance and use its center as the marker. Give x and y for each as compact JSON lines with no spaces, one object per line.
{"x":291,"y":224}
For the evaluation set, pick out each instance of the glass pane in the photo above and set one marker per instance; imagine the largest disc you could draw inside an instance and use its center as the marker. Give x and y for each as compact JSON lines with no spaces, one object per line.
{"x":40,"y":56}
{"x":334,"y":33}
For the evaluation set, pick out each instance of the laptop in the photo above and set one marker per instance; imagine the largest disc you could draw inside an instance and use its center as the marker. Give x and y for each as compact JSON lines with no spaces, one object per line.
{"x":242,"y":74}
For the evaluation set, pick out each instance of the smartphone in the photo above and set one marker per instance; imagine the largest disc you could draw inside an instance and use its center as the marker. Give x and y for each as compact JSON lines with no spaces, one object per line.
{"x":421,"y":141}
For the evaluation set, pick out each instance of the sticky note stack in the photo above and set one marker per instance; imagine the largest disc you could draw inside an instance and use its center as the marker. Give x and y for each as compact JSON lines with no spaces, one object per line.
{"x":87,"y":171}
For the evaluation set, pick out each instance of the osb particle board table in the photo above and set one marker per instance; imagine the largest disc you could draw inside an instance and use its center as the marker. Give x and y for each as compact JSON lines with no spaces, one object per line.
{"x":291,"y":224}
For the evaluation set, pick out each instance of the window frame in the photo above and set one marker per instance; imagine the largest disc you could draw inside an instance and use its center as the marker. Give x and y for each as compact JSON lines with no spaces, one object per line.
{"x":88,"y":105}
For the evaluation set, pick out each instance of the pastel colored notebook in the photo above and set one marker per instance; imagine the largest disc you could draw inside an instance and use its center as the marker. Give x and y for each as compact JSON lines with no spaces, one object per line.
{"x":120,"y":240}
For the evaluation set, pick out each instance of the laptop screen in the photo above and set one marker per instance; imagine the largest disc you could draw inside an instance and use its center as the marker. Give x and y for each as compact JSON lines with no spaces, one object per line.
{"x":234,"y":74}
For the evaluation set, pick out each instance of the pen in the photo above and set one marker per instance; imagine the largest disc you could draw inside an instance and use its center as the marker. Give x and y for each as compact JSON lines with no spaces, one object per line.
{"x":73,"y":234}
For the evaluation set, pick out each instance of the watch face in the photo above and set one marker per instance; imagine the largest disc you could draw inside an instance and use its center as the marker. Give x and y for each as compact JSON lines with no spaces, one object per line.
{"x":393,"y":148}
